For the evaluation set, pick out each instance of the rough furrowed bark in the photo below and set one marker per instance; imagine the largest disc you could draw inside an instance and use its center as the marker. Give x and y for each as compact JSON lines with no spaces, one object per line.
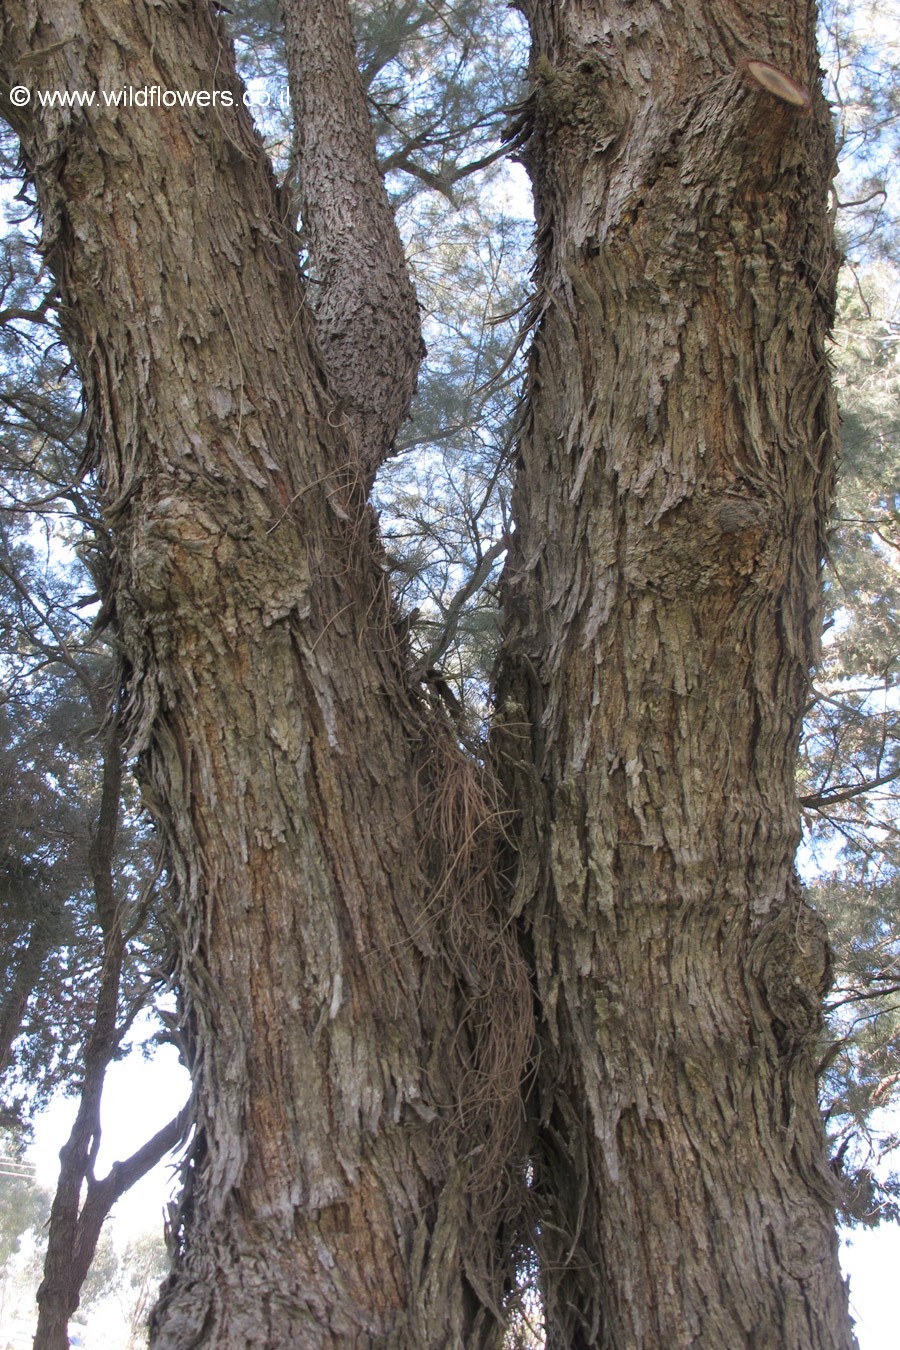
{"x":334,"y":1032}
{"x":661,"y":617}
{"x":366,"y":310}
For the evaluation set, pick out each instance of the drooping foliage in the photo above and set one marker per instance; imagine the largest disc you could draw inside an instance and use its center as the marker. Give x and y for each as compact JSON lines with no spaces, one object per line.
{"x":851,"y":765}
{"x":59,"y":676}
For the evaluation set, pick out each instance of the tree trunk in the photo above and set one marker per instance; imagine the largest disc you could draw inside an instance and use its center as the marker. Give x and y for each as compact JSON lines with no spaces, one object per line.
{"x":661,"y":603}
{"x":367,"y":318}
{"x":327,"y":839}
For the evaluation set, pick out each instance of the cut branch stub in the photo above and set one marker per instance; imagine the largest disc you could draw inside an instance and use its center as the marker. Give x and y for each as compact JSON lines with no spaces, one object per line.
{"x":777,"y":83}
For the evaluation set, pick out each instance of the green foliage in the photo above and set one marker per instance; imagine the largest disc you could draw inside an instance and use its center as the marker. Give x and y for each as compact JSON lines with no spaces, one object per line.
{"x":444,"y":498}
{"x":861,"y":1077}
{"x":58,"y":685}
{"x":102,"y":1276}
{"x":862,"y":58}
{"x":144,"y":1265}
{"x":441,"y":80}
{"x":45,"y":909}
{"x":850,"y":768}
{"x":23,"y":1204}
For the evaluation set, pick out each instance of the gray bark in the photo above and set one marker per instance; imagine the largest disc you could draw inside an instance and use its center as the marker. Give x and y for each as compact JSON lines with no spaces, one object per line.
{"x":366,"y":310}
{"x":661,"y":603}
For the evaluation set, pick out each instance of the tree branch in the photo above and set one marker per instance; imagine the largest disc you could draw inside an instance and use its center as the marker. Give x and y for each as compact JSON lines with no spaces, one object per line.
{"x":103,"y":1194}
{"x":366,"y":311}
{"x":454,"y":609}
{"x":815,"y":801}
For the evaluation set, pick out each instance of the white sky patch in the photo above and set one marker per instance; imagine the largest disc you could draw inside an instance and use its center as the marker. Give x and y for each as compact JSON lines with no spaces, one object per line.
{"x":140,"y":1097}
{"x":871,"y":1258}
{"x":512,"y":191}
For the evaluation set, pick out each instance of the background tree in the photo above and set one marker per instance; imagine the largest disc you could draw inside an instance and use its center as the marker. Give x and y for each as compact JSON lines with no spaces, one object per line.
{"x":23,"y":1204}
{"x":850,"y":768}
{"x":145,"y":1263}
{"x":848,"y":780}
{"x":79,"y":895}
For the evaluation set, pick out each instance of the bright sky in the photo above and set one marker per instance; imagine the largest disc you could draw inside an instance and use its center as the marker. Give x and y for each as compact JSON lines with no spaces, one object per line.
{"x":871,"y":1258}
{"x":140,"y":1097}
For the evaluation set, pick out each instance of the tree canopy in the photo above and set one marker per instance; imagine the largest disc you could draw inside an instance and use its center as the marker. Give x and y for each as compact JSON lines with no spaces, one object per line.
{"x":84,"y":886}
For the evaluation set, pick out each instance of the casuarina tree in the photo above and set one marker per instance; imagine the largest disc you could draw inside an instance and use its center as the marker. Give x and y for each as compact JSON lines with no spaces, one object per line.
{"x":464,"y":1018}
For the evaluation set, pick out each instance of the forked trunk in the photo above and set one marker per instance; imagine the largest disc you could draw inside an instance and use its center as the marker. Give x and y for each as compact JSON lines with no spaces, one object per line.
{"x":661,"y":604}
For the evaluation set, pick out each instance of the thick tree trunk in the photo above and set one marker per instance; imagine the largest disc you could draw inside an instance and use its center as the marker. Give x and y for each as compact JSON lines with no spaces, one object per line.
{"x":327,"y":840}
{"x":367,"y":318}
{"x":661,"y":605}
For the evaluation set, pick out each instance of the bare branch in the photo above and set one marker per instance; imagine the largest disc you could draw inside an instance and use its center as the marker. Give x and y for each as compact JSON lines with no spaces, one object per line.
{"x":123,"y":1175}
{"x":454,"y":610}
{"x":815,"y":801}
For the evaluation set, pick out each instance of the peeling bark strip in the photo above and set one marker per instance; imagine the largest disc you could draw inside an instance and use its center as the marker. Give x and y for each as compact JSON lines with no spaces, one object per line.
{"x":661,"y":601}
{"x":366,"y":310}
{"x":342,"y":1052}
